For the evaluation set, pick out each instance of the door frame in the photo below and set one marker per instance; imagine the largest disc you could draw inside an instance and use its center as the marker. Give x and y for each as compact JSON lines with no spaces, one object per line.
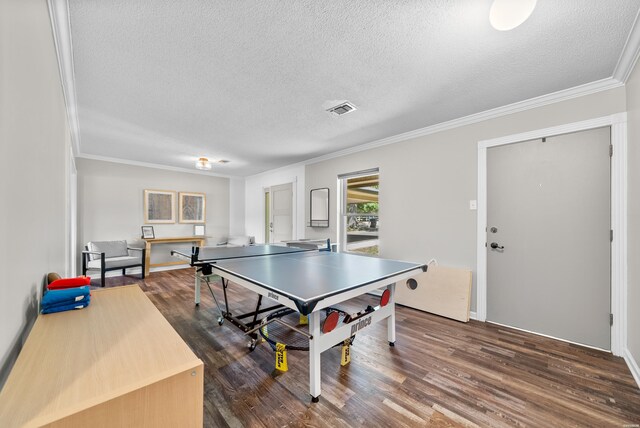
{"x":342,"y":203}
{"x":266,"y":214}
{"x":618,"y":124}
{"x":294,"y":206}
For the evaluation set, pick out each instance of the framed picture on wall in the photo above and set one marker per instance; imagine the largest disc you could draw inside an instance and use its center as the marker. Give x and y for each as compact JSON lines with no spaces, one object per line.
{"x":159,"y":206}
{"x":147,"y":232}
{"x":192,"y":207}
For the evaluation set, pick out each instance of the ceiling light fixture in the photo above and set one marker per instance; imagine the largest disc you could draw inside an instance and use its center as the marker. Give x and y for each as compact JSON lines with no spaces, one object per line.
{"x":506,"y":15}
{"x":203,"y":164}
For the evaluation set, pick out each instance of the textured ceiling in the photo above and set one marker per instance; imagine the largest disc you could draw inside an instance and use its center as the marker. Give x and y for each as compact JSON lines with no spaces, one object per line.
{"x":167,"y":81}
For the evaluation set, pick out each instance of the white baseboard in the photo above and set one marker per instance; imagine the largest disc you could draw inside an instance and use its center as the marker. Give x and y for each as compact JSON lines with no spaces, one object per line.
{"x":633,"y":366}
{"x":473,"y":315}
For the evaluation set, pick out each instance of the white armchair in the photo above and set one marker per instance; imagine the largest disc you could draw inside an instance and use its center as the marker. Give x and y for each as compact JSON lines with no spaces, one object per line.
{"x":111,"y":255}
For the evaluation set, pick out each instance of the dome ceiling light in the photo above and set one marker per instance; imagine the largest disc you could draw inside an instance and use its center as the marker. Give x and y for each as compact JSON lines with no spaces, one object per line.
{"x":506,"y":15}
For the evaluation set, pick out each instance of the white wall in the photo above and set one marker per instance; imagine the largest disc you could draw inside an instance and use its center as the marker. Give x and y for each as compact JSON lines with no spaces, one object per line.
{"x":34,"y":153}
{"x":633,"y":239}
{"x":254,"y":199}
{"x":426,"y":183}
{"x":236,"y":206}
{"x":110,"y":203}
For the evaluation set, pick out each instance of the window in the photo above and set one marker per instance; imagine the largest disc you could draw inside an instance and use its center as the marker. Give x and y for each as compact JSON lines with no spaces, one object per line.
{"x":360,"y":213}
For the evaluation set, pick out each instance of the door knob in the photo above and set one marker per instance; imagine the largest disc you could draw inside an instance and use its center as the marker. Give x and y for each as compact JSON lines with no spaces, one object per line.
{"x":495,"y":246}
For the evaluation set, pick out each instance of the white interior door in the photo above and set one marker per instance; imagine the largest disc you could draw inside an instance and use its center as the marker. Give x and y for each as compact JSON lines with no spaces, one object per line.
{"x":548,"y":221}
{"x":281,"y":212}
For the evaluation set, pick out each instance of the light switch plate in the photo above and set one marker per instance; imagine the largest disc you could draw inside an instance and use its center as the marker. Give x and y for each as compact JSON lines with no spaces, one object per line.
{"x":473,"y":204}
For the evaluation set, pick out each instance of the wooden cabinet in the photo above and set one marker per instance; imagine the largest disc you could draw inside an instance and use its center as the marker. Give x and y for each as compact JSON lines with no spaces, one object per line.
{"x":117,"y":362}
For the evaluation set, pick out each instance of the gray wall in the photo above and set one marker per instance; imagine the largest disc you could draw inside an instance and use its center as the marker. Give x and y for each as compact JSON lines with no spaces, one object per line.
{"x":426,"y":183}
{"x":34,"y":144}
{"x":633,"y":241}
{"x":111,"y":206}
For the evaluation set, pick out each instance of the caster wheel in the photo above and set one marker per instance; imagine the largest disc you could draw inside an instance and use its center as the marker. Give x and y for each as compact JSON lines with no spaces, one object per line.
{"x":220,"y":320}
{"x":315,"y":399}
{"x":197,"y":305}
{"x":392,"y":343}
{"x":252,"y":345}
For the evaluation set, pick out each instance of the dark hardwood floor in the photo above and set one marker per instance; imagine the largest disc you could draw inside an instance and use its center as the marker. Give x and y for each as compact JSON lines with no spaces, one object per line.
{"x":440,"y":373}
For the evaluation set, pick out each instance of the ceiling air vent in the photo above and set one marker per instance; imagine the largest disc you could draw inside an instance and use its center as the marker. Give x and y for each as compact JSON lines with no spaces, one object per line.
{"x":342,"y":108}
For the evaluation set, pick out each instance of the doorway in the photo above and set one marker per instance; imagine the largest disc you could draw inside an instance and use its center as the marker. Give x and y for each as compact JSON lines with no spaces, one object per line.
{"x":618,"y":125}
{"x":279,"y":213}
{"x":548,"y":236}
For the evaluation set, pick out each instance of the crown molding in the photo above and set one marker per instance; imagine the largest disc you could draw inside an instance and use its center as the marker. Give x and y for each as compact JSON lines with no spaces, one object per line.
{"x":155,"y":166}
{"x":61,"y":29}
{"x":630,"y":53}
{"x":555,"y":97}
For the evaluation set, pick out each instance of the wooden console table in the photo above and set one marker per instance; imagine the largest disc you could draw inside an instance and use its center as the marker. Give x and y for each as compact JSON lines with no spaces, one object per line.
{"x":118,"y":362}
{"x":198,"y":240}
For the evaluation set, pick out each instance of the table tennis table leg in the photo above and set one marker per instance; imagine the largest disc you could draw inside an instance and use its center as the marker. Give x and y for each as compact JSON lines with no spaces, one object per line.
{"x":314,"y":356}
{"x":391,"y":321}
{"x":197,"y":289}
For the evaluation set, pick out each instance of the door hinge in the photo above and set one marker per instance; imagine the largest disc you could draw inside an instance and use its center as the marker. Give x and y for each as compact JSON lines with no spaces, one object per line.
{"x":611,"y":235}
{"x":610,"y":319}
{"x":610,"y":150}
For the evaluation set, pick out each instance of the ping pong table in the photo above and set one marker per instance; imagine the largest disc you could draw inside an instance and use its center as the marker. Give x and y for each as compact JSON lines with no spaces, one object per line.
{"x":307,"y":281}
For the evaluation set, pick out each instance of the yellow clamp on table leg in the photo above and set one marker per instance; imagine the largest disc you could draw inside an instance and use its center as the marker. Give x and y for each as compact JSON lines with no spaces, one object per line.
{"x":265,"y":332}
{"x":281,"y":357}
{"x":304,"y":320}
{"x":346,"y":353}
